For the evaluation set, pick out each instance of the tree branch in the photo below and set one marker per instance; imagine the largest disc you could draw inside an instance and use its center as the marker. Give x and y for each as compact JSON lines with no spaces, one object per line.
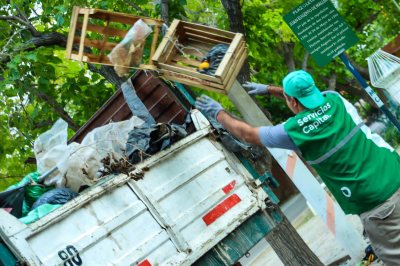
{"x":288,"y":55}
{"x":332,"y":81}
{"x":360,"y":27}
{"x":195,"y":13}
{"x":26,"y":23}
{"x":305,"y":60}
{"x":43,"y":124}
{"x":362,"y":70}
{"x":136,"y":7}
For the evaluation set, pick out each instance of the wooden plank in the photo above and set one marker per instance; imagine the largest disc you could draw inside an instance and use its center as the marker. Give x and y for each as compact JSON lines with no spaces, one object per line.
{"x":121,"y":17}
{"x":95,"y":59}
{"x":226,"y":74}
{"x":109,"y":46}
{"x":190,"y":73}
{"x":236,"y":72}
{"x":83,"y":34}
{"x":208,"y":29}
{"x":183,"y":67}
{"x":71,"y":33}
{"x":185,"y":60}
{"x":105,"y":38}
{"x":204,"y":47}
{"x":208,"y":35}
{"x":165,"y":40}
{"x":101,"y":29}
{"x":154,"y":43}
{"x":204,"y":39}
{"x":192,"y":83}
{"x":231,"y":50}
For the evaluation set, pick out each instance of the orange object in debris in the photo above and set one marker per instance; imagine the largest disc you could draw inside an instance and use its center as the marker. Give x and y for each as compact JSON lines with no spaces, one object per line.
{"x":204,"y":64}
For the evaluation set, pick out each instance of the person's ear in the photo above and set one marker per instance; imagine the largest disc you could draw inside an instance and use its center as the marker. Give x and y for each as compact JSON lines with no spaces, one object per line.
{"x":294,"y":102}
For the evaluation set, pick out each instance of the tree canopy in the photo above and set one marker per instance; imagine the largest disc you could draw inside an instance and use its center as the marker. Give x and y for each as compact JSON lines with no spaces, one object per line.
{"x":38,"y":85}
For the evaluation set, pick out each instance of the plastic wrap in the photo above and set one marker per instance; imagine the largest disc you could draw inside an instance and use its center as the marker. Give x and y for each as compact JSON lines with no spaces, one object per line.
{"x":129,"y":51}
{"x":39,"y":212}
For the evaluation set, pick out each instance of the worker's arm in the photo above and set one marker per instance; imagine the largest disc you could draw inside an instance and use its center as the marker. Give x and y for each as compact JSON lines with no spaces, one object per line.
{"x":264,"y":90}
{"x":239,"y":129}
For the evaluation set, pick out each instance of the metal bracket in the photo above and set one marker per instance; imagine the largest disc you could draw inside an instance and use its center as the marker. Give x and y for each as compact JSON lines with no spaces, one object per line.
{"x":267,"y":178}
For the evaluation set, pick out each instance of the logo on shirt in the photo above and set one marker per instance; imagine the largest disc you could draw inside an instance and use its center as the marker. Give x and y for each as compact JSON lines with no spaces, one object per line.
{"x":316,"y":118}
{"x":346,"y":192}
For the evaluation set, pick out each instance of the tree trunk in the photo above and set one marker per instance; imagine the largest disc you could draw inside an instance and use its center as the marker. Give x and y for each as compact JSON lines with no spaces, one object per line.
{"x":289,"y":246}
{"x":235,"y":17}
{"x":164,"y":15}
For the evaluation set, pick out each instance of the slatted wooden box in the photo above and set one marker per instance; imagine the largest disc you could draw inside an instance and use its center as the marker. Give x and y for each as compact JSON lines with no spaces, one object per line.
{"x":186,"y":44}
{"x":107,"y":31}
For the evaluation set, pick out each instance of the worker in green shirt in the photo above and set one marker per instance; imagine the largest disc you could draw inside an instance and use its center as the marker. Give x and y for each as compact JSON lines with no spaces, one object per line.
{"x":360,"y":169}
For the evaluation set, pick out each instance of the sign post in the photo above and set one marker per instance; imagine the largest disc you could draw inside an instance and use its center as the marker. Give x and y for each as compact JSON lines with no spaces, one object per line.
{"x":326,"y":35}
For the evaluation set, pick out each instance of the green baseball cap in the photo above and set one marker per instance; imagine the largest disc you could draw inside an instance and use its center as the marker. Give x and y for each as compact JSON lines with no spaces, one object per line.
{"x":300,"y":85}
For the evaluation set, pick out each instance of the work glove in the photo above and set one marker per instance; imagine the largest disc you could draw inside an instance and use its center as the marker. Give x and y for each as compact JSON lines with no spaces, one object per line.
{"x":256,"y":88}
{"x":208,"y":106}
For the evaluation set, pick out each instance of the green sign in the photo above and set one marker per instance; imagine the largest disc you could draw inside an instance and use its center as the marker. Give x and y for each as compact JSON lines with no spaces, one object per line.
{"x":321,"y":29}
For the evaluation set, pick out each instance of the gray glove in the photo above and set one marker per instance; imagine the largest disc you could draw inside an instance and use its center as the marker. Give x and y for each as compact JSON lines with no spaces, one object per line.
{"x":208,"y":106}
{"x":256,"y":88}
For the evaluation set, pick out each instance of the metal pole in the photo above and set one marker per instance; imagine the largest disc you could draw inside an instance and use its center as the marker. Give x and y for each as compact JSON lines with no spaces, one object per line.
{"x":396,"y":4}
{"x":370,"y":92}
{"x":43,"y":177}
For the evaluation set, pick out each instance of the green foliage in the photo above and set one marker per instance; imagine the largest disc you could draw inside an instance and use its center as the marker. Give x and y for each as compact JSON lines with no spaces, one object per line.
{"x":392,"y":136}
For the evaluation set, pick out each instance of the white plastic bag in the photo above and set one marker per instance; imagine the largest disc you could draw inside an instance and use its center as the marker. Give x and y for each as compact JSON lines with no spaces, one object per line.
{"x":129,"y":51}
{"x":78,"y":164}
{"x":51,"y":150}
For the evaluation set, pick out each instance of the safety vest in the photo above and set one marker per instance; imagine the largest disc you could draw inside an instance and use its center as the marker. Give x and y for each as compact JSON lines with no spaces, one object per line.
{"x":360,"y":169}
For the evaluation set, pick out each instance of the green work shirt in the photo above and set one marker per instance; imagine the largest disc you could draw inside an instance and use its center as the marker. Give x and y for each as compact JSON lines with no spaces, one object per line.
{"x":359,"y":167}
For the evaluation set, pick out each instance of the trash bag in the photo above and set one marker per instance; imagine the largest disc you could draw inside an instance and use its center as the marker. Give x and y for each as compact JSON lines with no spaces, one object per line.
{"x":11,"y":200}
{"x":84,"y":164}
{"x":39,"y":212}
{"x":51,"y":150}
{"x":214,"y":57}
{"x":129,"y":52}
{"x":152,"y":140}
{"x":55,"y":196}
{"x":32,"y":192}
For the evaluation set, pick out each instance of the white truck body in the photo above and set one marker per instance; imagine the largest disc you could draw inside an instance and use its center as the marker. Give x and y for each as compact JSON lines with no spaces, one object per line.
{"x":192,"y":195}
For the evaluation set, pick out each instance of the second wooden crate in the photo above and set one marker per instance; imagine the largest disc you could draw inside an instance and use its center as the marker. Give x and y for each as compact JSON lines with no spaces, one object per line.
{"x":186,"y":44}
{"x":105,"y":30}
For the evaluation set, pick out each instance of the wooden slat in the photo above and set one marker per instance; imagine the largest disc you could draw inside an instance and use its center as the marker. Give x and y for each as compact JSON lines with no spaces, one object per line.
{"x":236,"y":72}
{"x":208,"y":29}
{"x":231,"y":50}
{"x":192,"y":83}
{"x":204,"y":47}
{"x":105,"y":38}
{"x":185,"y":60}
{"x":101,"y":30}
{"x":91,"y":58}
{"x":208,"y":35}
{"x":183,"y":67}
{"x":71,"y":33}
{"x":154,"y":43}
{"x":204,"y":39}
{"x":165,"y":40}
{"x":190,"y":73}
{"x":83,"y":34}
{"x":95,"y":43}
{"x":234,"y":60}
{"x":121,"y":17}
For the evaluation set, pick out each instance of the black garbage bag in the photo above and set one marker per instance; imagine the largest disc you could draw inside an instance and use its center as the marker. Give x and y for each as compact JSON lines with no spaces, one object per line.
{"x":12,"y":199}
{"x":55,"y":196}
{"x":144,"y":142}
{"x":214,"y":57}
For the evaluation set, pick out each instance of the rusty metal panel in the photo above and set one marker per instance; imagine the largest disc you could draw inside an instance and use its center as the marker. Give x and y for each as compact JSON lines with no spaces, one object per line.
{"x":163,"y":105}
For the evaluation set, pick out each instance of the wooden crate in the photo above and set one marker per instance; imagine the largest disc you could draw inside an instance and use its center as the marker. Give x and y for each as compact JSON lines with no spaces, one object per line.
{"x":179,"y":62}
{"x":107,"y":31}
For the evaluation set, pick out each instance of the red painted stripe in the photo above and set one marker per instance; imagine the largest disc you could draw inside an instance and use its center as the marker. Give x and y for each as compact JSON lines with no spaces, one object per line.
{"x":291,"y":164}
{"x":221,"y":208}
{"x":229,"y":187}
{"x":145,"y":263}
{"x":7,"y":209}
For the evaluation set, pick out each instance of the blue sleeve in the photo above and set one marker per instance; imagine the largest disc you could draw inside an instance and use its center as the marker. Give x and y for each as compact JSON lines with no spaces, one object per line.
{"x":276,"y":137}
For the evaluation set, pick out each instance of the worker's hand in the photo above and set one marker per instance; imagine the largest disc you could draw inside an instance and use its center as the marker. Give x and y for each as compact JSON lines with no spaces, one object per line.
{"x":208,"y":106}
{"x":256,"y":88}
